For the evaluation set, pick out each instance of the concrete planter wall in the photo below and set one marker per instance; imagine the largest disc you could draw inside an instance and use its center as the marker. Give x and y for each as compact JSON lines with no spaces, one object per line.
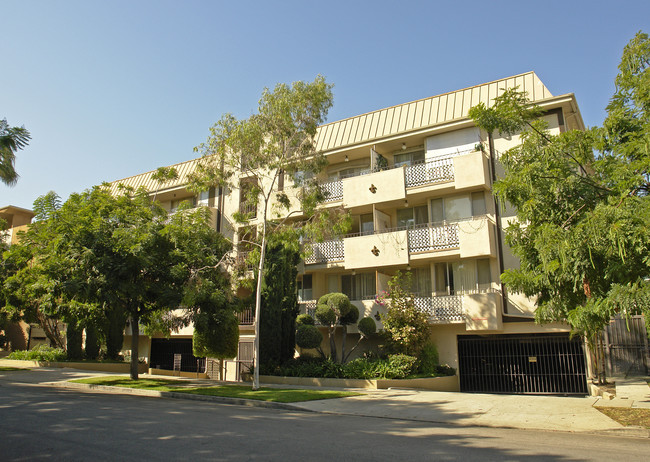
{"x":123,"y":368}
{"x":168,"y":373}
{"x":433,"y":383}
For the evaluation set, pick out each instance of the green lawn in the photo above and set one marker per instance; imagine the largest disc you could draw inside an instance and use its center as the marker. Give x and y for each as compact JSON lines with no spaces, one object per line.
{"x":278,"y":395}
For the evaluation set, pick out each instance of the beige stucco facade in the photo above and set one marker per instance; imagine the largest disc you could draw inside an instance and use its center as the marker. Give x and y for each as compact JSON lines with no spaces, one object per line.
{"x":416,"y":179}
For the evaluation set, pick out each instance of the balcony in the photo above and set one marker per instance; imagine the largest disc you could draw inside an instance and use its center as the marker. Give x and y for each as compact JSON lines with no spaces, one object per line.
{"x":326,"y":252}
{"x":441,"y":310}
{"x":308,"y":307}
{"x":433,"y":236}
{"x":439,"y":170}
{"x":473,"y":237}
{"x":246,"y":317}
{"x":390,"y":183}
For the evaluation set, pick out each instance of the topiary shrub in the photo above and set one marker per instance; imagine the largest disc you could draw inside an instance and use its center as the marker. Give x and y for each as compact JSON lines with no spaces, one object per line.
{"x":367,"y":326}
{"x":308,"y":337}
{"x":304,"y":320}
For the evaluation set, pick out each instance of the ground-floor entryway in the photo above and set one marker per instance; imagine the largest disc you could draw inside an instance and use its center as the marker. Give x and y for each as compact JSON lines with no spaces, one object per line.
{"x":522,"y":364}
{"x":175,"y":354}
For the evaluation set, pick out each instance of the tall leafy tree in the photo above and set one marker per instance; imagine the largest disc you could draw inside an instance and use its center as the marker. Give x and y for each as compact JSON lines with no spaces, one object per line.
{"x":582,"y":234}
{"x":255,"y":154}
{"x":12,"y":140}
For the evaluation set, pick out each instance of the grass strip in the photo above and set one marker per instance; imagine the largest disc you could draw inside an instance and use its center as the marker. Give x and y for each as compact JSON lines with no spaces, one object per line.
{"x":628,"y":416}
{"x":277,"y":395}
{"x":8,"y":368}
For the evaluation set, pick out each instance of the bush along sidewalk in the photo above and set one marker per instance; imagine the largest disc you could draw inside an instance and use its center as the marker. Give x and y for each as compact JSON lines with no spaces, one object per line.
{"x":398,"y":366}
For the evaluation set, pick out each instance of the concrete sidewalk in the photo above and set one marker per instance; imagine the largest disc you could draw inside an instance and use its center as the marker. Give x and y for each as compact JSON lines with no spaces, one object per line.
{"x":571,"y":414}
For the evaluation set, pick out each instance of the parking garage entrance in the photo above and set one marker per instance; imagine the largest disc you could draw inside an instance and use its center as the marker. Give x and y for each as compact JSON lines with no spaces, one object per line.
{"x":522,"y":364}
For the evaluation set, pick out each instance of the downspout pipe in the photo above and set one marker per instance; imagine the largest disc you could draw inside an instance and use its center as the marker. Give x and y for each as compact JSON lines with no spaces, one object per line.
{"x":497,"y":217}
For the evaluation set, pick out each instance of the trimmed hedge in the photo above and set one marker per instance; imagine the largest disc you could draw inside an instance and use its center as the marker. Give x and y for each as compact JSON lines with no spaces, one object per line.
{"x":394,"y":367}
{"x":40,"y":353}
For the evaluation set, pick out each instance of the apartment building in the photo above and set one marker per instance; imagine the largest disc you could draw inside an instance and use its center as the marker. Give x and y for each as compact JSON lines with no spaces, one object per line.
{"x":416,"y":179}
{"x":20,"y":336}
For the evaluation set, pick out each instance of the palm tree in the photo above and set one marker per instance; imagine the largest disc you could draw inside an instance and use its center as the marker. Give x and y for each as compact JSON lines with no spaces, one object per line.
{"x":12,"y":139}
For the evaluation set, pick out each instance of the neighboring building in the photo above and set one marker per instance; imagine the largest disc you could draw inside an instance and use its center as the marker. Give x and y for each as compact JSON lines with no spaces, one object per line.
{"x":16,"y":219}
{"x":20,"y":336}
{"x":416,"y":179}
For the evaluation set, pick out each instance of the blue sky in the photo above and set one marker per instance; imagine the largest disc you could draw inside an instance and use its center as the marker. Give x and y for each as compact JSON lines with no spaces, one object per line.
{"x":110,"y":89}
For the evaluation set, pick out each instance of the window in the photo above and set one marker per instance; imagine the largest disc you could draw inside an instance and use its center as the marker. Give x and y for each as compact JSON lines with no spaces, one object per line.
{"x":363,"y":224}
{"x":187,"y":202}
{"x":421,"y":281}
{"x":203,"y":199}
{"x":458,"y":207}
{"x":408,"y":218}
{"x":483,"y":274}
{"x":247,"y":201}
{"x":409,"y":158}
{"x":478,"y":204}
{"x":305,"y":288}
{"x":359,"y":286}
{"x":462,"y":277}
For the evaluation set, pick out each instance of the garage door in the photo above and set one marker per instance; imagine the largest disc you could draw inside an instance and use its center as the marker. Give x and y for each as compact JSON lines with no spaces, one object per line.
{"x":533,"y":364}
{"x":175,"y":354}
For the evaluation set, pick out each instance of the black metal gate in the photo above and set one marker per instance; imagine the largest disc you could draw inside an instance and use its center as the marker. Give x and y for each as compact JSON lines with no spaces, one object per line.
{"x":626,"y":346}
{"x":164,"y":350}
{"x":522,"y":364}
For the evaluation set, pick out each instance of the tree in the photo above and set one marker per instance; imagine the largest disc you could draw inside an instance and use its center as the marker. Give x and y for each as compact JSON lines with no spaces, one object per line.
{"x":279,"y":303}
{"x":334,"y":310}
{"x":260,"y":151}
{"x":406,"y":327}
{"x":12,"y":140}
{"x":101,"y":258}
{"x":583,"y":218}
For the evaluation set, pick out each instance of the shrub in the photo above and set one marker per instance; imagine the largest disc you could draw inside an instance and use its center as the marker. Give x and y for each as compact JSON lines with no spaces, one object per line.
{"x":367,"y":326}
{"x":308,"y":337}
{"x":40,"y":353}
{"x":428,"y":359}
{"x":304,"y":320}
{"x":445,"y":369}
{"x":361,"y":368}
{"x":400,"y":366}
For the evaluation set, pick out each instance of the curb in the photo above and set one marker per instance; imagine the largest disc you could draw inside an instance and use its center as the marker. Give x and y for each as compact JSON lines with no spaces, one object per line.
{"x":174,"y":395}
{"x":632,"y":432}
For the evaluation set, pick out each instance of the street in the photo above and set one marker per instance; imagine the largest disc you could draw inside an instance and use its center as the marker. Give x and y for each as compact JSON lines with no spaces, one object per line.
{"x":43,"y":423}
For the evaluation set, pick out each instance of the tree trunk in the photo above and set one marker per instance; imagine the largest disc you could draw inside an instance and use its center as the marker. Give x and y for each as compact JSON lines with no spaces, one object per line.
{"x":332,"y":332}
{"x":345,"y":334}
{"x":258,"y":306}
{"x":135,"y":340}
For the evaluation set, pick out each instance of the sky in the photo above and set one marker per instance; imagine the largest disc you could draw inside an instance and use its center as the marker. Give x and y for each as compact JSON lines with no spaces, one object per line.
{"x":110,"y":89}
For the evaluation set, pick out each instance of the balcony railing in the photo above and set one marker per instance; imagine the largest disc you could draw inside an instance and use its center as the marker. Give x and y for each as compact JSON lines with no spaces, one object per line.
{"x":433,"y":171}
{"x":246,"y":317}
{"x":437,"y":170}
{"x":332,"y":190}
{"x":308,"y":307}
{"x":448,"y":308}
{"x":327,"y":251}
{"x":433,"y":236}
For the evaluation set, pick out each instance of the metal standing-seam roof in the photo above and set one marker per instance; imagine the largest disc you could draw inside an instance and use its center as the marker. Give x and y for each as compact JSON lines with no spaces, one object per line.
{"x":144,"y":179}
{"x":427,"y":112}
{"x":403,"y":118}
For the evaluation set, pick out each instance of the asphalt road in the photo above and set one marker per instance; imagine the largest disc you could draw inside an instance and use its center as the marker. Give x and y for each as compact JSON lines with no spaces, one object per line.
{"x":41,"y":423}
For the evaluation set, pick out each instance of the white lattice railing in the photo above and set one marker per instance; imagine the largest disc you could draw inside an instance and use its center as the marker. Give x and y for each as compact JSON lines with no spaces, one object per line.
{"x":328,"y":251}
{"x":308,"y":307}
{"x":333,"y":190}
{"x":447,"y":308}
{"x":432,"y":171}
{"x":433,"y":237}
